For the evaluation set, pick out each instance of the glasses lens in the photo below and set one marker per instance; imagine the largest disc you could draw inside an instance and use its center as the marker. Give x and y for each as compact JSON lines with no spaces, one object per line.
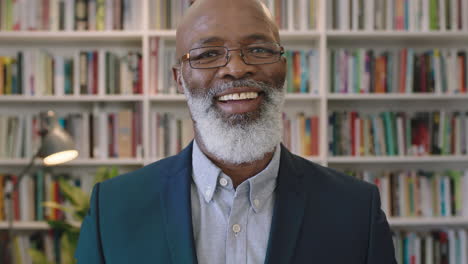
{"x":208,"y":57}
{"x":262,"y":53}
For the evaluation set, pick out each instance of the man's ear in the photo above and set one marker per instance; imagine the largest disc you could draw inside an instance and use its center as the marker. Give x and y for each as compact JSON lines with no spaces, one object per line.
{"x":177,"y":75}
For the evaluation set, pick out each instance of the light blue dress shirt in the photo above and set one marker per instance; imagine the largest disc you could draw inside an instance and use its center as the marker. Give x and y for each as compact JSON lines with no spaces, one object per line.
{"x":230,"y":225}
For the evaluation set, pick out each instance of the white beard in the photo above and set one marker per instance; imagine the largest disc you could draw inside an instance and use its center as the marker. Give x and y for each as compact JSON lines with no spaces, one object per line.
{"x":238,"y":140}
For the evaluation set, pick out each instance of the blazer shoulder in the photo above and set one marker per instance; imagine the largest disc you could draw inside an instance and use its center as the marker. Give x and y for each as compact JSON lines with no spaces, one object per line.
{"x":153,"y":175}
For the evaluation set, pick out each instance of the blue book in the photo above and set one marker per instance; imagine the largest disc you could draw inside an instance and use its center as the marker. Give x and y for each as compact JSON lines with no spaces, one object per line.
{"x":39,"y":195}
{"x":375,"y":128}
{"x":409,"y":71}
{"x":442,"y":196}
{"x":304,"y":72}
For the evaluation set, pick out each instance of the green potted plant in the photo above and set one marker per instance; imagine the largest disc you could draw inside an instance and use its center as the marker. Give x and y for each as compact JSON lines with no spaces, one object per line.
{"x":79,"y":206}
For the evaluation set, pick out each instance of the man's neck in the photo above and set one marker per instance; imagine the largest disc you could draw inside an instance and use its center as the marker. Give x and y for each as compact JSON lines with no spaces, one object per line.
{"x":238,"y":172}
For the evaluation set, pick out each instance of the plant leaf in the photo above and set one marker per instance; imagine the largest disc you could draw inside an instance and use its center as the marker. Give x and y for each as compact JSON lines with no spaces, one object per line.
{"x":55,"y":205}
{"x":74,"y":194}
{"x":38,"y":257}
{"x":67,"y":250}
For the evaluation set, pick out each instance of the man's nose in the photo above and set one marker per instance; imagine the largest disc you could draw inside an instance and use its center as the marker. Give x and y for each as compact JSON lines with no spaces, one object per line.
{"x":236,"y":68}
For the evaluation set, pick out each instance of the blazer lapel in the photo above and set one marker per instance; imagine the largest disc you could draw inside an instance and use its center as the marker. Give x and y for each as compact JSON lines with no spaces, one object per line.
{"x":288,"y":212}
{"x":178,"y":215}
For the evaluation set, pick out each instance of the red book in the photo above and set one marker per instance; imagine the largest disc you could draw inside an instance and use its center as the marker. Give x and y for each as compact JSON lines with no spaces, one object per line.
{"x":111,"y":143}
{"x":140,"y":75}
{"x":423,"y":72}
{"x":462,"y":72}
{"x":315,"y":136}
{"x":353,"y":133}
{"x":56,"y":212}
{"x":403,"y":58}
{"x":16,"y":207}
{"x":45,"y":15}
{"x":134,"y":134}
{"x":95,"y":72}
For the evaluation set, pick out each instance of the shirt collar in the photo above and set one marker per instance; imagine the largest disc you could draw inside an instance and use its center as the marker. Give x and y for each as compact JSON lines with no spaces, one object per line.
{"x":259,"y":187}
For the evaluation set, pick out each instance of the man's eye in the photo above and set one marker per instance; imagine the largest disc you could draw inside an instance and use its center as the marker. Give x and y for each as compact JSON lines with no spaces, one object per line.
{"x":260,"y":50}
{"x":208,"y":54}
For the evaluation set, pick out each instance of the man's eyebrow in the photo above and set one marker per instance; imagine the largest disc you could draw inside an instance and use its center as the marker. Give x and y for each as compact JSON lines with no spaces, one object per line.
{"x":258,"y":36}
{"x":203,"y":41}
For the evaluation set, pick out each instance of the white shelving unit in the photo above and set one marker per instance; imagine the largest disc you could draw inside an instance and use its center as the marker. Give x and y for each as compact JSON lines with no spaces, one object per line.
{"x":322,"y":39}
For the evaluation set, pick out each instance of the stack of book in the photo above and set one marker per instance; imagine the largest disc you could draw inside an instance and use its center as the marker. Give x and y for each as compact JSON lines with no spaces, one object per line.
{"x":169,"y":134}
{"x":302,"y":71}
{"x":162,"y":59}
{"x":437,"y":246}
{"x":398,"y":133}
{"x":408,"y":15}
{"x":294,"y":15}
{"x":98,"y":134}
{"x":417,"y":193}
{"x":289,"y":15}
{"x":47,"y":242}
{"x":399,"y":71}
{"x":54,"y":15}
{"x":39,"y":72}
{"x":301,"y":134}
{"x":167,"y":14}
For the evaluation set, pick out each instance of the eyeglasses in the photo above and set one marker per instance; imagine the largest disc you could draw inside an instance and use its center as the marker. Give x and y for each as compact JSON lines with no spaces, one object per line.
{"x":218,"y":56}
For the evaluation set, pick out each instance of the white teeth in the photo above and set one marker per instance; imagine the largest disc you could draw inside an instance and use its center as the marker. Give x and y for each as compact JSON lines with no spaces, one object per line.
{"x":238,"y":96}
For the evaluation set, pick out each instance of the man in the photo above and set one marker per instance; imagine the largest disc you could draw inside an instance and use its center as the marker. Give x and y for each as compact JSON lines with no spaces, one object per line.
{"x":235,"y":195}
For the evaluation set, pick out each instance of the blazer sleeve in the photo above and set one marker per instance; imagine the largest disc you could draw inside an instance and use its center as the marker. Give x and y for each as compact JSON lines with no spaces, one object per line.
{"x":381,"y":250}
{"x":89,"y":249}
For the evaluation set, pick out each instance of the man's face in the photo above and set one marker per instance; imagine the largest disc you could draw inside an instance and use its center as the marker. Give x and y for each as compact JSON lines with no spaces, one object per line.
{"x":232,"y":29}
{"x":210,"y":92}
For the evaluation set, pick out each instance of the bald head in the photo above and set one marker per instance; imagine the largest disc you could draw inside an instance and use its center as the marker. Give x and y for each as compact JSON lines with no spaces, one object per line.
{"x":209,"y":18}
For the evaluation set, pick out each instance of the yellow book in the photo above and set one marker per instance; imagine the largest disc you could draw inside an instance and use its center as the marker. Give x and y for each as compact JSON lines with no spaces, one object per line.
{"x":124,"y":134}
{"x":2,"y":78}
{"x":2,"y":204}
{"x":100,"y":15}
{"x":8,"y":75}
{"x":301,"y":123}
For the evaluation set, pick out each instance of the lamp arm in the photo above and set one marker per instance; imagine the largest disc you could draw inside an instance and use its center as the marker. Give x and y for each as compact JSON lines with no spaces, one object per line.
{"x":10,"y":188}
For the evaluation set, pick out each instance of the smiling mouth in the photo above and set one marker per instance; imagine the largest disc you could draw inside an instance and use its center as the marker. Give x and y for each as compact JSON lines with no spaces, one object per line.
{"x":239,"y":96}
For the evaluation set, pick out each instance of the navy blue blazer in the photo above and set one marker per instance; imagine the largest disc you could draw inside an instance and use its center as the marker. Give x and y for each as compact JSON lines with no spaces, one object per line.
{"x":320,"y":216}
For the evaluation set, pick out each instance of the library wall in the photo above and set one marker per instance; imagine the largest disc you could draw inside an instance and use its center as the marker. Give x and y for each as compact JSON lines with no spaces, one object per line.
{"x":375,"y":88}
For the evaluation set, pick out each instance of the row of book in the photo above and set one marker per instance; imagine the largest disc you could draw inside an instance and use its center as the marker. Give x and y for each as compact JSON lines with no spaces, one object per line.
{"x":39,"y":72}
{"x":294,"y":15}
{"x":418,"y":193}
{"x":169,"y":134}
{"x":302,"y":71}
{"x":448,"y":246}
{"x":398,"y":133}
{"x":167,"y":14}
{"x":407,"y":15}
{"x":98,"y":134}
{"x":288,"y":15}
{"x":54,"y":15}
{"x":301,"y":134}
{"x":398,"y":71}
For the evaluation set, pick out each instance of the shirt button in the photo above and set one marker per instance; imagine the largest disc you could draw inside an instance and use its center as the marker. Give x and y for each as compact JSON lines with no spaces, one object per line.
{"x":236,"y":228}
{"x":223,"y":182}
{"x":256,"y":202}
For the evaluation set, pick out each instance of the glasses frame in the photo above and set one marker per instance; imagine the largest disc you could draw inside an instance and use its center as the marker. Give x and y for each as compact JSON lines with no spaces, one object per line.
{"x":186,"y":57}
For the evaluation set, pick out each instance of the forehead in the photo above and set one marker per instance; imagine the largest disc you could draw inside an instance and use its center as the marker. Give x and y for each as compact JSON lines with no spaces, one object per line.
{"x":227,"y":28}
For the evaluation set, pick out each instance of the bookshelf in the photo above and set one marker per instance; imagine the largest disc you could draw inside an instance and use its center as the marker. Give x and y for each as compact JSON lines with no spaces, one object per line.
{"x":322,"y":38}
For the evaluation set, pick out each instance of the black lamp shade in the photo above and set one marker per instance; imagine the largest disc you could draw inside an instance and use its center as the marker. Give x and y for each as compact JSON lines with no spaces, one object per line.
{"x":57,"y":146}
